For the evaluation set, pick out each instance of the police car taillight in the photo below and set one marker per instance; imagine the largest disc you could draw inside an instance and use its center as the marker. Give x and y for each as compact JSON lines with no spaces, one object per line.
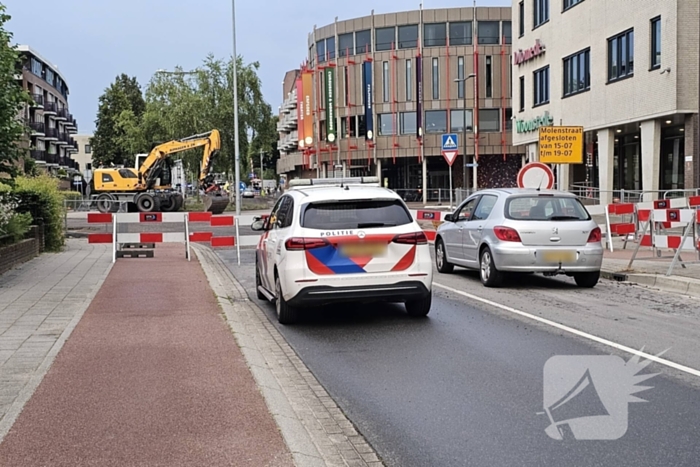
{"x":413,"y":238}
{"x":304,"y":243}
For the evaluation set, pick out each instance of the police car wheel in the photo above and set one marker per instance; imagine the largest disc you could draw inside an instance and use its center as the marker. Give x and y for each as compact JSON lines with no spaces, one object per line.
{"x":285,"y":314}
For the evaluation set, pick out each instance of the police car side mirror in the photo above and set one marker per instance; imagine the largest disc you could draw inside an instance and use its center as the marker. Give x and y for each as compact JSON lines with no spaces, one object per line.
{"x":258,"y":225}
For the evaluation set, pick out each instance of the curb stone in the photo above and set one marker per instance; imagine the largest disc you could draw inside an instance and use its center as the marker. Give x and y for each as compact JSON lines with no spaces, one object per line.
{"x":681,"y":285}
{"x":315,"y":429}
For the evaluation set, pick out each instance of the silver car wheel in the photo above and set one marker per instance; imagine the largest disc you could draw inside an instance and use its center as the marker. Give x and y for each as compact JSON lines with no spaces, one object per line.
{"x":485,"y":265}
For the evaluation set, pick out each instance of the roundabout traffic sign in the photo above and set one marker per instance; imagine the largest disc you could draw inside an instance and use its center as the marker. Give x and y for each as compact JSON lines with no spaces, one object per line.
{"x":536,"y":175}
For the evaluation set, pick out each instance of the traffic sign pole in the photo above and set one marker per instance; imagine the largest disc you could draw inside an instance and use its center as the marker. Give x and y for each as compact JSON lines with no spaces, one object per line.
{"x":449,"y":152}
{"x":450,"y":187}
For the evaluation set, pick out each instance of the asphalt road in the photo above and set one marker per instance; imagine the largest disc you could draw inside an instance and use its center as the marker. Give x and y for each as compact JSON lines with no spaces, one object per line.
{"x":465,"y":386}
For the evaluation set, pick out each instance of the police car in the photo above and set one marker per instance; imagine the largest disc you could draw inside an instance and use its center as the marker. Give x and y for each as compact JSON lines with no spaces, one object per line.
{"x":341,"y":240}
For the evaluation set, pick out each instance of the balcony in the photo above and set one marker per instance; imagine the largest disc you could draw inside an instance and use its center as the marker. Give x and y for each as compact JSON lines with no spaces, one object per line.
{"x":50,"y":108}
{"x":38,"y":155}
{"x":62,"y":162}
{"x":52,"y":159}
{"x":38,"y":101}
{"x":72,"y":126}
{"x":62,"y":139}
{"x":62,"y":114}
{"x":51,"y":134}
{"x":38,"y":128}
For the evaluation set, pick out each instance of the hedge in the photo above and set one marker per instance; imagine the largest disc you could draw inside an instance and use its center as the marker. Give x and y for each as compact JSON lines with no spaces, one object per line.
{"x":41,"y":197}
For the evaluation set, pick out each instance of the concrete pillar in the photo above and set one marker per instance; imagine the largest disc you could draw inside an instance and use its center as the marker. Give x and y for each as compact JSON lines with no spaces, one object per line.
{"x":692,"y":152}
{"x":424,"y":185}
{"x":325,"y":170}
{"x":651,"y":158}
{"x":606,"y":153}
{"x":345,"y":169}
{"x":379,"y":171}
{"x":533,"y":152}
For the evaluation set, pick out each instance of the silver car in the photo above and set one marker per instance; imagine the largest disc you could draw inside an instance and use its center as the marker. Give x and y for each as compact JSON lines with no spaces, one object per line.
{"x":523,"y":231}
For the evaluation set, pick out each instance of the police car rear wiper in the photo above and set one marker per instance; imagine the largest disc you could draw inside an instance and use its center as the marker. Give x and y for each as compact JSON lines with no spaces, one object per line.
{"x":366,"y":225}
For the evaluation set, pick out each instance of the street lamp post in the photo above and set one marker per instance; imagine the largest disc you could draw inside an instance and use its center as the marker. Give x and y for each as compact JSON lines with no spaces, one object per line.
{"x":464,"y":130}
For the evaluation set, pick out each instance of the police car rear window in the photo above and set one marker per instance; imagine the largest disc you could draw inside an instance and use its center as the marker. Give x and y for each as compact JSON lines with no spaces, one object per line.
{"x":355,"y":214}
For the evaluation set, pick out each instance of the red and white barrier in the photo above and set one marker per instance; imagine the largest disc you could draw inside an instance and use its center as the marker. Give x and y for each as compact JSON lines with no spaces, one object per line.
{"x":184,"y":236}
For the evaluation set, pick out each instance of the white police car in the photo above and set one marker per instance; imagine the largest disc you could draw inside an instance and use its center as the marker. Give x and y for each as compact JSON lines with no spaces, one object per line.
{"x":341,"y":240}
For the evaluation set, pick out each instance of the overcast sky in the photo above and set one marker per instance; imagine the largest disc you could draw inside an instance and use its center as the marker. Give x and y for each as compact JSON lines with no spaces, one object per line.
{"x":92,"y":41}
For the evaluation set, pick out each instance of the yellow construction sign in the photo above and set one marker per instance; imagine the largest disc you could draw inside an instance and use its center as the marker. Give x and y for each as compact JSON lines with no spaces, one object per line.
{"x":561,"y":144}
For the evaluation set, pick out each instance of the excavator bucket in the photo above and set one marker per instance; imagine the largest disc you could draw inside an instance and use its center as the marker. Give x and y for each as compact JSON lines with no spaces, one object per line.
{"x":216,"y":202}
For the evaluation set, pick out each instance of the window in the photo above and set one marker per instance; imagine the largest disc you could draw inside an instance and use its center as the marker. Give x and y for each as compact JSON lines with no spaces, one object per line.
{"x":346,"y":45}
{"x":385,"y":38}
{"x":409,"y":81}
{"x":408,"y":123}
{"x":435,"y":35}
{"x":457,"y":120}
{"x":127,"y":173}
{"x":436,"y":121}
{"x":344,"y":130}
{"x":37,"y":67}
{"x":436,"y":78}
{"x":489,"y":120}
{"x":285,"y":215}
{"x":50,"y":77}
{"x":461,"y":33}
{"x":408,"y":36}
{"x":106,"y":178}
{"x":488,"y":32}
{"x":484,"y":208}
{"x":489,"y":77}
{"x":537,"y":208}
{"x":386,"y":125}
{"x":621,"y":55}
{"x":460,"y":76}
{"x":507,"y":34}
{"x":321,"y":51}
{"x":385,"y":81}
{"x":577,"y":73}
{"x":540,"y":12}
{"x":509,"y":118}
{"x":541,"y":86}
{"x":88,"y":149}
{"x":569,"y":3}
{"x":465,"y":211}
{"x":363,"y":41}
{"x":88,"y":166}
{"x":330,"y":48}
{"x":521,"y":19}
{"x":655,"y":43}
{"x":522,"y":93}
{"x":355,"y":214}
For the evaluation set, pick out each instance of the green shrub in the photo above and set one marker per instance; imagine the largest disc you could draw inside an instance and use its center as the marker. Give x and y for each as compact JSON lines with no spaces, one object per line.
{"x":40,"y":197}
{"x":18,"y":226}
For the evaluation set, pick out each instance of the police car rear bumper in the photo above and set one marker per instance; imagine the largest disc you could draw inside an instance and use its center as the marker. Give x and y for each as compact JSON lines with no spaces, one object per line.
{"x":325,"y":295}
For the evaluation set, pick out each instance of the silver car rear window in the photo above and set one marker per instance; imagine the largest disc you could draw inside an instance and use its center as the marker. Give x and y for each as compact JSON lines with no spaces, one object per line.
{"x":359,"y":214}
{"x":546,"y":208}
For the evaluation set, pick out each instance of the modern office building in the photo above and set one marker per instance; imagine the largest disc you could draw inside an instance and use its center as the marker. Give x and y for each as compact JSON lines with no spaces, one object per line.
{"x":48,"y":117}
{"x":376,"y":94}
{"x":627,"y":72}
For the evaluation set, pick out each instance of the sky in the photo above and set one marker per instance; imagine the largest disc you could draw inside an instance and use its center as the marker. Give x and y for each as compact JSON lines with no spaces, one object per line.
{"x":93,"y":41}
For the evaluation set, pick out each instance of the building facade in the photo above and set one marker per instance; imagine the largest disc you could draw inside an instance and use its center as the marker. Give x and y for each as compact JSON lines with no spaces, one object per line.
{"x":83,"y":156}
{"x":627,"y":72}
{"x":51,"y":124}
{"x":376,"y":94}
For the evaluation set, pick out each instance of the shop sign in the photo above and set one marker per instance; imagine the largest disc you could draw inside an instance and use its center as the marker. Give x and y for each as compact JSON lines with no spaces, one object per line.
{"x":522,"y":56}
{"x":527,"y":126}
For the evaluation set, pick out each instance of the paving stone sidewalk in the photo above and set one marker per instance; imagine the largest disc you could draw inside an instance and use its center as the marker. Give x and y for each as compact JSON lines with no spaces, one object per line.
{"x":41,"y":302}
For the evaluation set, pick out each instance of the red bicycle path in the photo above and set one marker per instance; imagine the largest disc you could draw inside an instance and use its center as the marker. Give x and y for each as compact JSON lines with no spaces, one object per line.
{"x":150,"y":376}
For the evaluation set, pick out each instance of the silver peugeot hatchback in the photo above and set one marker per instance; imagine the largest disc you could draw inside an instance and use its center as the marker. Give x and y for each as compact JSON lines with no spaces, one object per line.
{"x":523,"y":231}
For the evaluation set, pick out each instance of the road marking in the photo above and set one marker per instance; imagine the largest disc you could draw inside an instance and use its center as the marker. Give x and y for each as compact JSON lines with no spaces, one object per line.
{"x":585,"y":335}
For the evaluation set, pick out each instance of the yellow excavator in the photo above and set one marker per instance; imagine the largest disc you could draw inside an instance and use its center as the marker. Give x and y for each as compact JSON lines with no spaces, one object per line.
{"x":142,"y":188}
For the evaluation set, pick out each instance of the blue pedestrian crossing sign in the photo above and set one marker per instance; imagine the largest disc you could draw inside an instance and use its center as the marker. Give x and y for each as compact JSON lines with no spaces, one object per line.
{"x":449,"y":147}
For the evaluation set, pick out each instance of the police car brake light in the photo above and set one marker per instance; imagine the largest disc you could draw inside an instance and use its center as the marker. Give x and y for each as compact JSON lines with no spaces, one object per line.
{"x":304,"y":243}
{"x":413,"y":238}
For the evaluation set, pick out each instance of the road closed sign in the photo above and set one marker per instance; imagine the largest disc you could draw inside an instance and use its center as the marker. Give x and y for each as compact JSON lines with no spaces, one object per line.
{"x":561,"y":144}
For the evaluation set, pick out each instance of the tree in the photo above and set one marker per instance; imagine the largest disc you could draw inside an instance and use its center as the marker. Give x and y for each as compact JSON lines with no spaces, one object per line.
{"x":118,"y":134}
{"x":13,"y":100}
{"x":180,"y":104}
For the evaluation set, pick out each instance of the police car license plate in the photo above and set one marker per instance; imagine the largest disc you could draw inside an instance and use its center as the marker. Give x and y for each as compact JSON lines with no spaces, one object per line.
{"x":363,"y":249}
{"x":559,"y":256}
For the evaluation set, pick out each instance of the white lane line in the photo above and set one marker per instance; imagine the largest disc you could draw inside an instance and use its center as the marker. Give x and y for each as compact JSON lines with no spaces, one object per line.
{"x":585,"y":335}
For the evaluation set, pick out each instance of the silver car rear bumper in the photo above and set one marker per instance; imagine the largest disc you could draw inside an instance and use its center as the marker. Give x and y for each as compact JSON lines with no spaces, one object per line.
{"x":519,"y":258}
